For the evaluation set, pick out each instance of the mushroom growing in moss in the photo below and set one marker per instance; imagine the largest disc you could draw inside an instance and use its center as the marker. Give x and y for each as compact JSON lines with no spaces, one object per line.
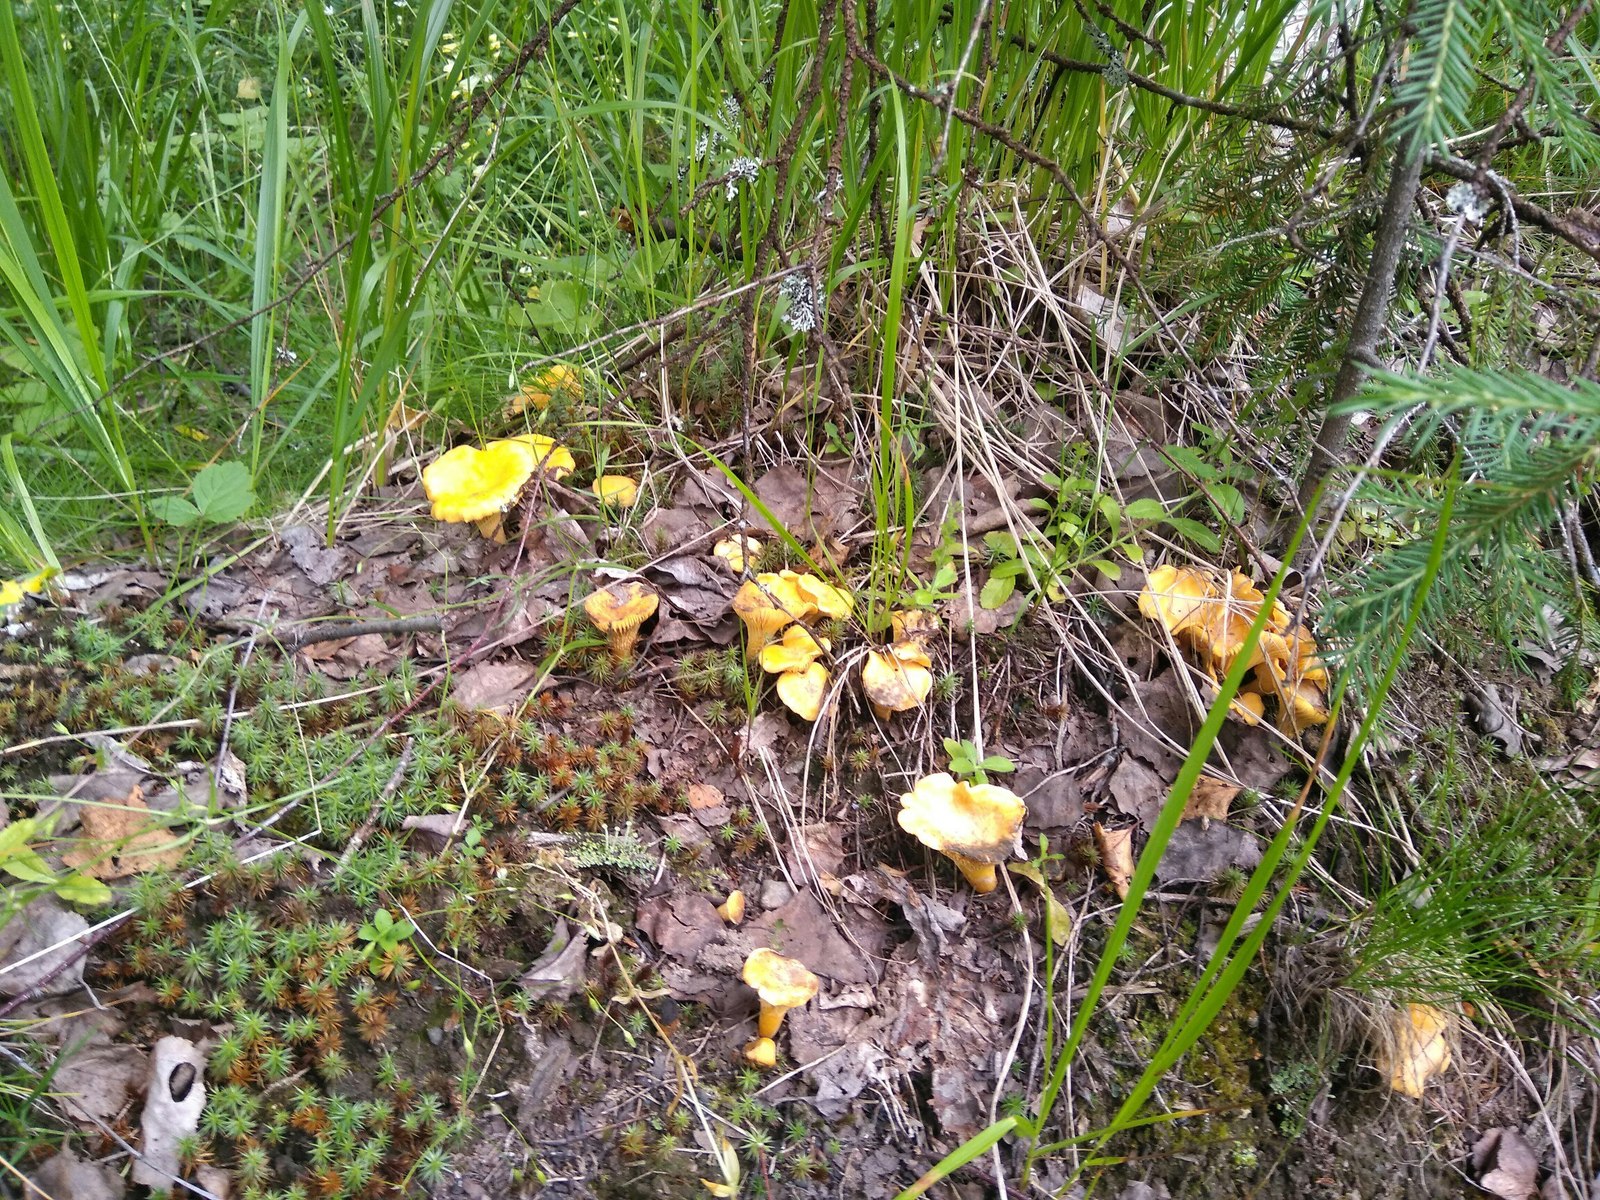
{"x":469,"y":484}
{"x":616,"y":491}
{"x":974,"y":825}
{"x":737,"y":551}
{"x":618,"y":610}
{"x":802,"y":691}
{"x":761,"y":1052}
{"x":802,"y":680}
{"x":782,"y":983}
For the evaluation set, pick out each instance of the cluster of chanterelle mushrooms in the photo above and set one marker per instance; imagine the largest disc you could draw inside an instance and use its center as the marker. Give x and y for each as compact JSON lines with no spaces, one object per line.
{"x":1211,"y":612}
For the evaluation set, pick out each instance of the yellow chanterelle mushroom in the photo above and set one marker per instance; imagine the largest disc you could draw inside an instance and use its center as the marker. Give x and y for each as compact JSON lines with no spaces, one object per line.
{"x":974,"y":825}
{"x":782,"y":983}
{"x":618,"y":610}
{"x":469,"y":484}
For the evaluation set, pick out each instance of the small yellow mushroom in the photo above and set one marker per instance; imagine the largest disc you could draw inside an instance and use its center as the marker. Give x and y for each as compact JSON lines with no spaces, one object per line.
{"x":766,"y":604}
{"x":897,"y":679}
{"x":761,"y":1052}
{"x":736,"y":552}
{"x":469,"y":484}
{"x":554,"y":460}
{"x":974,"y":825}
{"x":802,"y":691}
{"x":732,"y":909}
{"x":618,"y":491}
{"x":1416,"y":1049}
{"x":782,"y":983}
{"x":551,"y":382}
{"x":618,"y":610}
{"x":1301,"y":707}
{"x":797,"y":651}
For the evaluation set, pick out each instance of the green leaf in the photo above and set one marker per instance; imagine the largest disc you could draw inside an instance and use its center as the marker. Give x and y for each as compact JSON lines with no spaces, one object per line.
{"x":1145,"y":510}
{"x":1228,"y":501}
{"x":999,"y":764}
{"x":997,"y":591}
{"x":82,"y":890}
{"x":174,"y":510}
{"x":1186,"y":458}
{"x":16,"y":835}
{"x":1196,"y":533}
{"x":25,"y":864}
{"x":1060,"y":921}
{"x":223,"y":492}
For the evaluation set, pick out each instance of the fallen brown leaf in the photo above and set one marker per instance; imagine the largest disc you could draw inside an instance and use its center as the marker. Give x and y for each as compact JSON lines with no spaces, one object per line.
{"x":1210,"y":798}
{"x":123,"y":839}
{"x":1116,"y":856}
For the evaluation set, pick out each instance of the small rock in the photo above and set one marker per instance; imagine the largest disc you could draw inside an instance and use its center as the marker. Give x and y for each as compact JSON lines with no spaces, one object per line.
{"x":775,"y":893}
{"x":42,"y":924}
{"x":436,"y":1035}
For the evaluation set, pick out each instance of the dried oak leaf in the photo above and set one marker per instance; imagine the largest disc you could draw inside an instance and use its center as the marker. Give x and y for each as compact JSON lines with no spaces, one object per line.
{"x":123,"y":839}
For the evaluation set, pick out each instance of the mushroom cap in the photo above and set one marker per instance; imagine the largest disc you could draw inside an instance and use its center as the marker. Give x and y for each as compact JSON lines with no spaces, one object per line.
{"x":735,"y":550}
{"x":802,"y":691}
{"x":797,"y":651}
{"x":897,"y":679}
{"x":979,"y":821}
{"x":779,"y":981}
{"x":1301,"y":707}
{"x":468,"y":484}
{"x":617,"y":490}
{"x":553,"y":380}
{"x":1176,"y":596}
{"x":1249,"y":707}
{"x":554,"y":460}
{"x":732,"y":909}
{"x":621,"y":606}
{"x":828,"y":600}
{"x":1417,"y":1048}
{"x":916,"y":624}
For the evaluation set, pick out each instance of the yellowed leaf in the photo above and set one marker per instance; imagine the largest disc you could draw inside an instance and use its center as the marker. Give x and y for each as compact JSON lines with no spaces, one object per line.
{"x":1060,"y":918}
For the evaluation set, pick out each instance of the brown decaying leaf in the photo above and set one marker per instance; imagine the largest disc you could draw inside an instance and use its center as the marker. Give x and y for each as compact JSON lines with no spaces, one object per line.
{"x":1210,"y":798}
{"x":1507,"y":1166}
{"x":123,"y":839}
{"x":1116,"y":856}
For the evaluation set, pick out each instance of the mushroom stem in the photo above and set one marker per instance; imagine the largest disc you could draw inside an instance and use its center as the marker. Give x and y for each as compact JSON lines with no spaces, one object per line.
{"x":770,"y":1020}
{"x":981,"y":875}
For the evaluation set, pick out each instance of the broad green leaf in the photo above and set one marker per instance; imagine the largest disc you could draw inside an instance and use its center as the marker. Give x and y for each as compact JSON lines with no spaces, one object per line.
{"x":997,"y":591}
{"x":1060,"y":921}
{"x":1196,"y":533}
{"x":1229,"y":502}
{"x":174,"y":510}
{"x":1145,"y":509}
{"x":223,"y":492}
{"x":25,"y":864}
{"x":1188,"y":459}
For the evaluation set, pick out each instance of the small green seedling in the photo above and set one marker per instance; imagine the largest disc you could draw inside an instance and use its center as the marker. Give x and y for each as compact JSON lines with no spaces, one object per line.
{"x":221,"y":493}
{"x":964,"y":762}
{"x":383,"y":933}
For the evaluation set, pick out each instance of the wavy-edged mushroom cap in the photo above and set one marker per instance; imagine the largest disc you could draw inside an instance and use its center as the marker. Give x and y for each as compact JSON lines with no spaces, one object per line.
{"x":469,"y":484}
{"x":554,"y":460}
{"x":1176,"y":596}
{"x":761,"y":1052}
{"x":618,"y":609}
{"x":618,"y":491}
{"x":802,"y":691}
{"x":975,"y":825}
{"x":828,"y":600}
{"x":897,"y":679}
{"x":1300,"y":707}
{"x":781,"y":983}
{"x":797,"y":651}
{"x":766,"y":604}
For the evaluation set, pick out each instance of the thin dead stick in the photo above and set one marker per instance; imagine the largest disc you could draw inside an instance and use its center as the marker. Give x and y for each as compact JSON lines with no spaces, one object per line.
{"x":313,"y":634}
